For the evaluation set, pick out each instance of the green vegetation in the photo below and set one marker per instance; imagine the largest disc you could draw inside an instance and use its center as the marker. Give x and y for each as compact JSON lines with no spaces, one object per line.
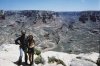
{"x":37,"y":51}
{"x":39,"y":60}
{"x":58,"y":61}
{"x":51,"y":60}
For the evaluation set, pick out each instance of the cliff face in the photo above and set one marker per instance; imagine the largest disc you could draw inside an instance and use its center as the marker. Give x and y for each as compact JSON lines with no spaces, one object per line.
{"x":59,"y":31}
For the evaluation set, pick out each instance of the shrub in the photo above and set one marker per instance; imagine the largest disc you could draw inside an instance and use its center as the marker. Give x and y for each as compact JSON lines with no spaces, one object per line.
{"x":61,"y":62}
{"x":58,"y":61}
{"x":39,"y":60}
{"x":51,"y":59}
{"x":37,"y":51}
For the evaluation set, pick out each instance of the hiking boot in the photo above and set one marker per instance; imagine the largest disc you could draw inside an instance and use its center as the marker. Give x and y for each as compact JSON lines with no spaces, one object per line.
{"x":20,"y":61}
{"x":26,"y":63}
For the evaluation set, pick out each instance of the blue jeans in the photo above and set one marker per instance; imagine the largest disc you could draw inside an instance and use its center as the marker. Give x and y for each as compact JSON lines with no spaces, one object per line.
{"x":21,"y":54}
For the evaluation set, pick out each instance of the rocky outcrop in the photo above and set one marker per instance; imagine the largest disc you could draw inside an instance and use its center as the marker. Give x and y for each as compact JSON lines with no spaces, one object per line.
{"x":98,"y":61}
{"x":9,"y":54}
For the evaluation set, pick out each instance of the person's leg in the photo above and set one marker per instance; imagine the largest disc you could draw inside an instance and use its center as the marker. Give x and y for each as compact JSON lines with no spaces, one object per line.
{"x":30,"y":58}
{"x":26,"y":57}
{"x":25,"y":54}
{"x":21,"y":55}
{"x":21,"y":52}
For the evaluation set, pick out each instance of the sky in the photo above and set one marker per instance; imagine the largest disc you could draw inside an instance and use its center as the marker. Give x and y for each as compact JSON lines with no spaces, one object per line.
{"x":52,"y":5}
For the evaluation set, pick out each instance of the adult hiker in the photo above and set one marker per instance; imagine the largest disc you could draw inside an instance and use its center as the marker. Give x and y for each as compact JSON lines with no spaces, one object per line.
{"x":31,"y":45}
{"x":22,"y":41}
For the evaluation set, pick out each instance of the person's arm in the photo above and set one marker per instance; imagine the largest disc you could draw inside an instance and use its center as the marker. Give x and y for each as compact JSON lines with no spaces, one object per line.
{"x":16,"y":41}
{"x":34,"y":42}
{"x":27,"y":41}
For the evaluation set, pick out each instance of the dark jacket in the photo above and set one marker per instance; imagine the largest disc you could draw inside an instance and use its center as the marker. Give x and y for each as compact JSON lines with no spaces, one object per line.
{"x":22,"y":41}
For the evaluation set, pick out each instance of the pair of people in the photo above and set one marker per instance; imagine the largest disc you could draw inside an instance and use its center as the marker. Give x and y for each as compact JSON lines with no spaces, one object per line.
{"x":27,"y":45}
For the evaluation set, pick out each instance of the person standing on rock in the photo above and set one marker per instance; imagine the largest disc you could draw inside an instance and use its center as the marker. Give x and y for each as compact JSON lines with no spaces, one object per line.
{"x":31,"y":45}
{"x":22,"y":41}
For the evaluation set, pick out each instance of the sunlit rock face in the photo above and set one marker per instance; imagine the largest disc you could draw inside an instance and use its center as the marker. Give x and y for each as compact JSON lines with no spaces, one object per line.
{"x":9,"y":54}
{"x":89,"y":59}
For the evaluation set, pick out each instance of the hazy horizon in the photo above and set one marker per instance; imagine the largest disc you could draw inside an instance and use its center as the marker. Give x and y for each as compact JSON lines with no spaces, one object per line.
{"x":51,"y":5}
